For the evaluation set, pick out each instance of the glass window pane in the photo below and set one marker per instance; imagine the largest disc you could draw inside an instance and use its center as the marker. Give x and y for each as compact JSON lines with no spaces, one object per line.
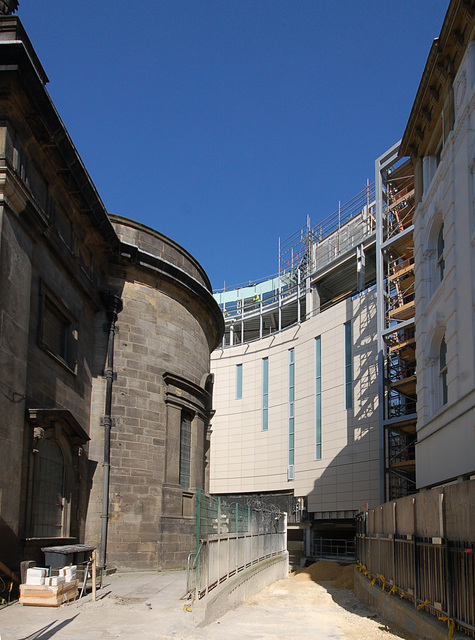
{"x":265,"y":393}
{"x":238,"y":381}
{"x":185,"y":450}
{"x":348,"y":367}
{"x":265,"y":374}
{"x":318,"y":398}
{"x":291,"y":409}
{"x":443,"y":354}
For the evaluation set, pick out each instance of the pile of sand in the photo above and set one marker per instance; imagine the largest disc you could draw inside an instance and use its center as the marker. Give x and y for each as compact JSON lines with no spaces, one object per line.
{"x":325,"y":571}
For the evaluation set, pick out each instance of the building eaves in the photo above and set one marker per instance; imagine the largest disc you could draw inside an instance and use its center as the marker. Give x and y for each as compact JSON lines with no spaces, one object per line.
{"x":18,"y":56}
{"x":441,"y":66}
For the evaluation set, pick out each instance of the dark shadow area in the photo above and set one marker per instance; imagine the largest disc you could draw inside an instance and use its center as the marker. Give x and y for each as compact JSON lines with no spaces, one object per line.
{"x":9,"y":544}
{"x":48,"y":631}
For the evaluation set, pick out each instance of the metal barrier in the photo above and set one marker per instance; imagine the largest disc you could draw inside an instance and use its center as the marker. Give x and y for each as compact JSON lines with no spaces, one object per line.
{"x":231,"y":538}
{"x":435,"y":574}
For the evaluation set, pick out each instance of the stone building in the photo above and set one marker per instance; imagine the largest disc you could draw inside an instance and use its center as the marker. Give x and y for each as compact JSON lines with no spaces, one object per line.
{"x":106,"y":329}
{"x":440,"y":142}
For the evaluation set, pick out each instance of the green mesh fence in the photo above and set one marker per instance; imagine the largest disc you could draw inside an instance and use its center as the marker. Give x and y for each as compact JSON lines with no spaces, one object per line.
{"x":218,"y":516}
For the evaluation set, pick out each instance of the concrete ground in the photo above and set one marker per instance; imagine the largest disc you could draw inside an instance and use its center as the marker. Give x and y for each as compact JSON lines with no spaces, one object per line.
{"x":148,"y":606}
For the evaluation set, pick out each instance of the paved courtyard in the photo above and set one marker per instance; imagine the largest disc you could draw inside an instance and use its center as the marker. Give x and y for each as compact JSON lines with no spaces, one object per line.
{"x":148,"y":606}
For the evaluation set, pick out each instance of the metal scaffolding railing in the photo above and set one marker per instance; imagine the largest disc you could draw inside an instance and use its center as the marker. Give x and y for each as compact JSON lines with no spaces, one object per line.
{"x":260,"y":308}
{"x":396,"y":336}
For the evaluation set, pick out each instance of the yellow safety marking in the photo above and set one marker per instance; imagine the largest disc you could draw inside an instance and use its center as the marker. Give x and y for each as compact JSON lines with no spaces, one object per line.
{"x":451,"y":628}
{"x":421,"y":606}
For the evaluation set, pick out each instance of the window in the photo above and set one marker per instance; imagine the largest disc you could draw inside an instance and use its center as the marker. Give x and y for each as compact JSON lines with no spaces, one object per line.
{"x":185,"y":450}
{"x":440,"y":255}
{"x":265,"y":394}
{"x":48,"y":491}
{"x":443,"y":372}
{"x":238,"y":381}
{"x":318,"y":398}
{"x":348,"y":367}
{"x":57,"y":333}
{"x":435,"y":253}
{"x":290,"y":472}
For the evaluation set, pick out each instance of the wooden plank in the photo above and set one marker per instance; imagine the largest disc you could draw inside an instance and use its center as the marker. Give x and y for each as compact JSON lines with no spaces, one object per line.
{"x":46,"y":596}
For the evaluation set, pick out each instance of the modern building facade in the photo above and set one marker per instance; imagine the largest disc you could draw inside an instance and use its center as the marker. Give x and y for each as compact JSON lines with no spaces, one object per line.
{"x":296,"y":388}
{"x":332,"y":394}
{"x":106,"y":329}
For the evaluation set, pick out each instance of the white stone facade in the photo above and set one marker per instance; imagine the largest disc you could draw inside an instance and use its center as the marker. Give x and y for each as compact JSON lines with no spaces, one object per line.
{"x":445,"y":295}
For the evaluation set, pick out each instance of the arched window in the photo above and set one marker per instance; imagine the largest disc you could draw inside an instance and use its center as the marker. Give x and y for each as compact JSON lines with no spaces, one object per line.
{"x":48,"y":491}
{"x":443,"y":395}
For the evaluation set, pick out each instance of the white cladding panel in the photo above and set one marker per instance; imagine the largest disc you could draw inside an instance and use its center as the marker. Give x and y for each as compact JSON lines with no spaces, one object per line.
{"x":244,"y":458}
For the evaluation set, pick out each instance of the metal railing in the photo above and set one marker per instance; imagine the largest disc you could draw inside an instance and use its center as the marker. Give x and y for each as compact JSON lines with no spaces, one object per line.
{"x":293,"y":252}
{"x":334,"y":548}
{"x":225,"y":556}
{"x":437,"y":575}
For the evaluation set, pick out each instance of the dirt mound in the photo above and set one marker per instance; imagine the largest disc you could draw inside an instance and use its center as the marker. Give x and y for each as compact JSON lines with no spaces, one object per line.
{"x":327,"y":571}
{"x":346,"y":579}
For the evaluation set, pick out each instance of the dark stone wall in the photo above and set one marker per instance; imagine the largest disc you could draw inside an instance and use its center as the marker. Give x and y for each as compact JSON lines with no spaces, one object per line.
{"x":57,"y":242}
{"x":15,"y":277}
{"x":161,"y":357}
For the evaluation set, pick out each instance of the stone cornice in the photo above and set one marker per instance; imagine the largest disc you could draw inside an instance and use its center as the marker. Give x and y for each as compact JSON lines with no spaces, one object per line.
{"x":441,"y":67}
{"x":133,"y":224}
{"x":164,"y":269}
{"x":175,"y":380}
{"x":182,"y":392}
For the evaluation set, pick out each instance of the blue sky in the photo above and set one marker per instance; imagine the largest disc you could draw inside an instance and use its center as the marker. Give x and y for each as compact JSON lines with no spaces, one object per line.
{"x":225,"y":123}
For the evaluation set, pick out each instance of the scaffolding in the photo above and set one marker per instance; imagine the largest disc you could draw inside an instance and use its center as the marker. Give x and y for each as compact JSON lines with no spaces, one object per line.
{"x":396,"y":325}
{"x":318,"y":267}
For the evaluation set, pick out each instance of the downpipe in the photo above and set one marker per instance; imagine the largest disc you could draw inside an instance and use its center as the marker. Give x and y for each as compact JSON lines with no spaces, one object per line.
{"x":113,"y":304}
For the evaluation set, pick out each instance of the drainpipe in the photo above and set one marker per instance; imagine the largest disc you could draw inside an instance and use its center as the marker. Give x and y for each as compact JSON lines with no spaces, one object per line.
{"x":113,"y":306}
